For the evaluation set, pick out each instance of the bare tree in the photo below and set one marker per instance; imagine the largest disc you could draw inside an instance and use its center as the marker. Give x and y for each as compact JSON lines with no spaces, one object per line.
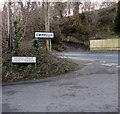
{"x":76,"y":8}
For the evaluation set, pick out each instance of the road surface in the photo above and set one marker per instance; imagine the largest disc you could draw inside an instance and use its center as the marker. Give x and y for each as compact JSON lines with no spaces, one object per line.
{"x":94,"y":88}
{"x":104,"y":57}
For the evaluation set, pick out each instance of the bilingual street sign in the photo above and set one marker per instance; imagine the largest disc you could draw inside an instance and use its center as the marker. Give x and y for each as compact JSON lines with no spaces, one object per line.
{"x":44,"y":35}
{"x":23,"y":59}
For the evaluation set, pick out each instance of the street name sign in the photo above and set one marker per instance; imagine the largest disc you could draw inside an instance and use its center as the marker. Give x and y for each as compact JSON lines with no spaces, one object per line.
{"x":23,"y":59}
{"x":44,"y":35}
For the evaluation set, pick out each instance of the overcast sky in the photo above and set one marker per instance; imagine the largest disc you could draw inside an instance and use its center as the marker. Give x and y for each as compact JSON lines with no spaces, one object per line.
{"x":2,"y":1}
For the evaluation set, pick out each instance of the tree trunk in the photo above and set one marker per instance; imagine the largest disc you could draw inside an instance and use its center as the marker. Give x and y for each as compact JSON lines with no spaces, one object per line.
{"x":76,"y":9}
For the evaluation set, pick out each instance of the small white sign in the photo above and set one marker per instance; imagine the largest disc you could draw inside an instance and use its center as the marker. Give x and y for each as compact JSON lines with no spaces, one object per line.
{"x":23,"y":59}
{"x":44,"y":35}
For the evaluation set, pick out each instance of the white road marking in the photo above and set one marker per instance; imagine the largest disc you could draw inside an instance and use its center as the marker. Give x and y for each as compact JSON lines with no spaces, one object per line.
{"x":88,"y":63}
{"x":110,"y":64}
{"x":109,"y":55}
{"x":106,"y":65}
{"x":102,"y":61}
{"x":76,"y":58}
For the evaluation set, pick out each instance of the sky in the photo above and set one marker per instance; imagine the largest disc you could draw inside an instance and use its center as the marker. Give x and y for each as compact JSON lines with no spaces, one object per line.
{"x":2,"y":1}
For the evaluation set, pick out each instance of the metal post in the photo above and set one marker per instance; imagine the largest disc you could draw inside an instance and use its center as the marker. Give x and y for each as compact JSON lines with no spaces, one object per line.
{"x":9,"y":26}
{"x":50,"y":45}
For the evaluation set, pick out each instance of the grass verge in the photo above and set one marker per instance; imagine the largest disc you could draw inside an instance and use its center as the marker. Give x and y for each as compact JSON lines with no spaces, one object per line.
{"x":47,"y":65}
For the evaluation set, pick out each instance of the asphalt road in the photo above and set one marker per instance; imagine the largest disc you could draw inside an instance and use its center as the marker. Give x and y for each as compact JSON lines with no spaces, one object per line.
{"x":94,"y":88}
{"x":105,"y":57}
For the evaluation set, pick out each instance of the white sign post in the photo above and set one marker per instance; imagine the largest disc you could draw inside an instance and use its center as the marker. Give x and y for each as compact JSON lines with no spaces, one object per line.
{"x":45,"y":35}
{"x":24,"y":60}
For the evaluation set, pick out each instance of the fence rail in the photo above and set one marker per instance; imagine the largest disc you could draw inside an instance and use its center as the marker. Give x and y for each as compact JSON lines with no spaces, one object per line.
{"x":105,"y":44}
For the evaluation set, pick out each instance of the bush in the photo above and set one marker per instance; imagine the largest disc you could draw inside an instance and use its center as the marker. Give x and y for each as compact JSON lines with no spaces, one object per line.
{"x":47,"y":65}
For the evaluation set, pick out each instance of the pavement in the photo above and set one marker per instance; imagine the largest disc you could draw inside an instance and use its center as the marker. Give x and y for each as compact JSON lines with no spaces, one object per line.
{"x":94,"y":88}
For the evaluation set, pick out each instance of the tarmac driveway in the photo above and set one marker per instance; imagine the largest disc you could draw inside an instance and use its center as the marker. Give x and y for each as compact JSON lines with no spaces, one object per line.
{"x":93,"y":88}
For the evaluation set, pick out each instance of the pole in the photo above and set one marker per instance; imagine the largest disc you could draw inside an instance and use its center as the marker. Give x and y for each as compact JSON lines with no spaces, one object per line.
{"x":50,"y":46}
{"x":15,"y":10}
{"x":9,"y":26}
{"x":47,"y":24}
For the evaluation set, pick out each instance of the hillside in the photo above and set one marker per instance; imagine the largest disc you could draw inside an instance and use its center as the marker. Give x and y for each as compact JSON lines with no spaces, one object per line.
{"x":98,"y":24}
{"x":105,"y":28}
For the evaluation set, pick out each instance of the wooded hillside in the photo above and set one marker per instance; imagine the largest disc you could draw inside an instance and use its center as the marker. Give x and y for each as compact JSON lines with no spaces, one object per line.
{"x":79,"y":20}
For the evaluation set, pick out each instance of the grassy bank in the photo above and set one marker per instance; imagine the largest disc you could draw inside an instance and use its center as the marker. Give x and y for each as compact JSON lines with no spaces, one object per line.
{"x":47,"y":65}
